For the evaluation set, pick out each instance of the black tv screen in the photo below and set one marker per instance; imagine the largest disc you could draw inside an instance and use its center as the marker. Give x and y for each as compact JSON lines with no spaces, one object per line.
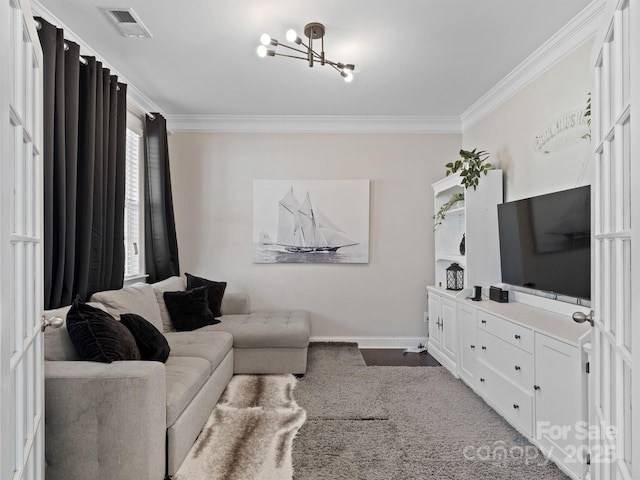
{"x":545,"y":242}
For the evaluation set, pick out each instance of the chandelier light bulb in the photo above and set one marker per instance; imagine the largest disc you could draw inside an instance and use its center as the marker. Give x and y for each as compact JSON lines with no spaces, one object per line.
{"x":262,"y":51}
{"x":291,"y":35}
{"x":265,"y":39}
{"x":348,"y":76}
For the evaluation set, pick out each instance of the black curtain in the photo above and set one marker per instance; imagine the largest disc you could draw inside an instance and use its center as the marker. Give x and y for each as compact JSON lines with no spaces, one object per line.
{"x":84,"y":172}
{"x":161,"y":245}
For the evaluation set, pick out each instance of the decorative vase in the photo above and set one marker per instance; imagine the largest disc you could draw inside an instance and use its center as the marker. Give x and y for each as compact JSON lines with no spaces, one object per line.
{"x":462,"y":245}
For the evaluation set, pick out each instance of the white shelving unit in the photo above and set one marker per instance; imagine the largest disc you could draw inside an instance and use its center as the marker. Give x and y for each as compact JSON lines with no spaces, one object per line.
{"x":476,"y":218}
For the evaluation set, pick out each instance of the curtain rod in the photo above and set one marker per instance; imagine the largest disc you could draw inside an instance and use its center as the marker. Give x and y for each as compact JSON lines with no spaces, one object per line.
{"x":84,"y":62}
{"x":66,"y":45}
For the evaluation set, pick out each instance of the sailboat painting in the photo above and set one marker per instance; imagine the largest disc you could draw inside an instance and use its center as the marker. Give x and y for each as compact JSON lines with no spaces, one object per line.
{"x":312,"y":221}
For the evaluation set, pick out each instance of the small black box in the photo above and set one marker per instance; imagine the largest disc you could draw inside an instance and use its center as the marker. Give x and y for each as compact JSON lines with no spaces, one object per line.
{"x":498,"y":295}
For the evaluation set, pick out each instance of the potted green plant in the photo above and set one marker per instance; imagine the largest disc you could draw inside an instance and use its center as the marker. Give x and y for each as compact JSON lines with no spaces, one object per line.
{"x":439,"y":217}
{"x":471,"y":165}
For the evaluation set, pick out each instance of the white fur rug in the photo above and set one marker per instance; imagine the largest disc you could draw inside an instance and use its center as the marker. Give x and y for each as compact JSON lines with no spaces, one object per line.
{"x":249,"y":434}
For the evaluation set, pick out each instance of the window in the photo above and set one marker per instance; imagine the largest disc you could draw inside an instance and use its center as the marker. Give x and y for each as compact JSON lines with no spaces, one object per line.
{"x":133,"y":208}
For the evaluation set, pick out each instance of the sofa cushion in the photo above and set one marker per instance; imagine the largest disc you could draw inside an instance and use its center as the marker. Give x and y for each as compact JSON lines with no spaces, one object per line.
{"x":185,"y":376}
{"x":171,"y":284}
{"x":215,"y":291}
{"x":189,"y":309}
{"x":266,"y":329}
{"x":97,"y":336}
{"x":235,"y":304}
{"x":212,"y":346}
{"x":139,"y":299}
{"x":151,"y":343}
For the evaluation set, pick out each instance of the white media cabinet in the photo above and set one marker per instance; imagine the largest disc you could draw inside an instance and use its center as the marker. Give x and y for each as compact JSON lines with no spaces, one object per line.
{"x":526,"y":362}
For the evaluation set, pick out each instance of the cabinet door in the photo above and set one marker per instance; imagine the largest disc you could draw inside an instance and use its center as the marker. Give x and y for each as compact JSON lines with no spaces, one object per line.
{"x":434,"y":320}
{"x":560,"y":414}
{"x":448,"y":327}
{"x":467,"y":346}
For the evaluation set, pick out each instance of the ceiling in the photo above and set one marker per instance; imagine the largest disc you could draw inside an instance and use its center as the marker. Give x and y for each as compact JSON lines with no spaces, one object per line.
{"x":413,"y":57}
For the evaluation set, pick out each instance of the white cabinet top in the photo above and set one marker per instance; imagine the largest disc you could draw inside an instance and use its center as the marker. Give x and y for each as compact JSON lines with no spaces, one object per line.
{"x":452,"y":294}
{"x":549,"y":323}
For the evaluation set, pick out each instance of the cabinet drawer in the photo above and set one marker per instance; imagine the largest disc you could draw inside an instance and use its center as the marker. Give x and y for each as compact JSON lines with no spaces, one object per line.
{"x":510,"y":361}
{"x":515,"y":404}
{"x":508,"y":331}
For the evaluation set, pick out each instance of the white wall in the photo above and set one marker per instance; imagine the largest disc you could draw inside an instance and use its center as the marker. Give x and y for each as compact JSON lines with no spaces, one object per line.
{"x":212,"y":180}
{"x":508,"y":132}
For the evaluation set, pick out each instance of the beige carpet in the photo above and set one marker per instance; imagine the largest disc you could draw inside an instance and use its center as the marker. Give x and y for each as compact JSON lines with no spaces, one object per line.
{"x":402,"y":423}
{"x":249,"y":434}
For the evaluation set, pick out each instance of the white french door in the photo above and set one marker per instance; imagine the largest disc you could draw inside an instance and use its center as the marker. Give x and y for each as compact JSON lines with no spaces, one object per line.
{"x":21,"y":356}
{"x":614,"y":383}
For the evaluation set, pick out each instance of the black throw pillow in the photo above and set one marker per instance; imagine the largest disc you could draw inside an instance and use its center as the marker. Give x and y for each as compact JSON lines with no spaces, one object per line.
{"x":216,"y":291}
{"x":97,"y":336}
{"x":189,"y":309}
{"x":151,"y":343}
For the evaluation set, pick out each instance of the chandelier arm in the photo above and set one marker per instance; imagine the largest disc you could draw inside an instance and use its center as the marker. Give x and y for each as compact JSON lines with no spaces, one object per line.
{"x":289,"y":56}
{"x":292,"y":48}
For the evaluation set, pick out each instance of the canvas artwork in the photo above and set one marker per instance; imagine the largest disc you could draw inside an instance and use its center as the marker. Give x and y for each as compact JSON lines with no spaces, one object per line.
{"x":311,"y":221}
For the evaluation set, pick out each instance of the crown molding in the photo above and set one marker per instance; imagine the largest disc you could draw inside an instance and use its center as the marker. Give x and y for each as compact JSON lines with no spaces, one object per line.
{"x":581,"y":28}
{"x":312,"y":124}
{"x":136,"y":100}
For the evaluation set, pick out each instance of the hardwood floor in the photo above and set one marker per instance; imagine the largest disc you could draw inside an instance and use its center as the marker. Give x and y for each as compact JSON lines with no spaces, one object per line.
{"x":392,"y":357}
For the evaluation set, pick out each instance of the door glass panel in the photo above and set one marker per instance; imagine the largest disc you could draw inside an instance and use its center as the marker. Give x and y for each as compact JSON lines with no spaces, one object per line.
{"x":18,"y":266}
{"x":626,"y":416}
{"x":604,"y":376}
{"x":598,"y":197}
{"x":19,"y":403}
{"x":611,"y":198}
{"x":626,"y":175}
{"x":626,"y":70}
{"x":626,"y":294}
{"x":613,"y":77}
{"x":605,"y":92}
{"x":613,"y":388}
{"x":610,"y":283}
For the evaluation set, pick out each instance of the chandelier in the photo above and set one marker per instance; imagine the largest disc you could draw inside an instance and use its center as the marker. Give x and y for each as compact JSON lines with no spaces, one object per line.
{"x":313,"y":31}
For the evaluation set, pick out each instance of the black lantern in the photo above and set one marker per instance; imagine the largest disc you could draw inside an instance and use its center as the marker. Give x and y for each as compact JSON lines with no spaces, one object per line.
{"x":455,"y":277}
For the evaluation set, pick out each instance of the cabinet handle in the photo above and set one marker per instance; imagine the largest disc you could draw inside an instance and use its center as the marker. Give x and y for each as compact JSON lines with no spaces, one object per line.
{"x":483,"y":347}
{"x":517,"y":337}
{"x":483,"y":321}
{"x":517,"y":368}
{"x":473,"y":346}
{"x":515,"y":406}
{"x":536,"y":387}
{"x":482,"y":380}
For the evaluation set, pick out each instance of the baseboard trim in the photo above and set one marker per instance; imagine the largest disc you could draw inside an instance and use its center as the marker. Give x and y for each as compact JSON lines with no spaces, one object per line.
{"x":376,"y":342}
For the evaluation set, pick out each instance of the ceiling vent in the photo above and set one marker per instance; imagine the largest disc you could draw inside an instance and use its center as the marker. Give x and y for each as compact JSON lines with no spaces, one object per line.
{"x":127,"y":22}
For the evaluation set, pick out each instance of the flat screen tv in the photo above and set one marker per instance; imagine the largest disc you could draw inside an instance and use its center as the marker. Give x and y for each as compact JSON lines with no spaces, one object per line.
{"x":545,"y":242}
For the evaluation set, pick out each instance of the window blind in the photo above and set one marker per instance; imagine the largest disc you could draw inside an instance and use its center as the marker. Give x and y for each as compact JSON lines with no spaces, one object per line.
{"x":132,"y":206}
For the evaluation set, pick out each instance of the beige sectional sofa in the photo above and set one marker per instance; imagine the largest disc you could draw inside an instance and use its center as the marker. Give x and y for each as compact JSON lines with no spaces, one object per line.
{"x":139,"y":419}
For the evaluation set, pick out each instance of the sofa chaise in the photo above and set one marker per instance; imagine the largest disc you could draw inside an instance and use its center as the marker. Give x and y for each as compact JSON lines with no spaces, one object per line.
{"x":139,"y":419}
